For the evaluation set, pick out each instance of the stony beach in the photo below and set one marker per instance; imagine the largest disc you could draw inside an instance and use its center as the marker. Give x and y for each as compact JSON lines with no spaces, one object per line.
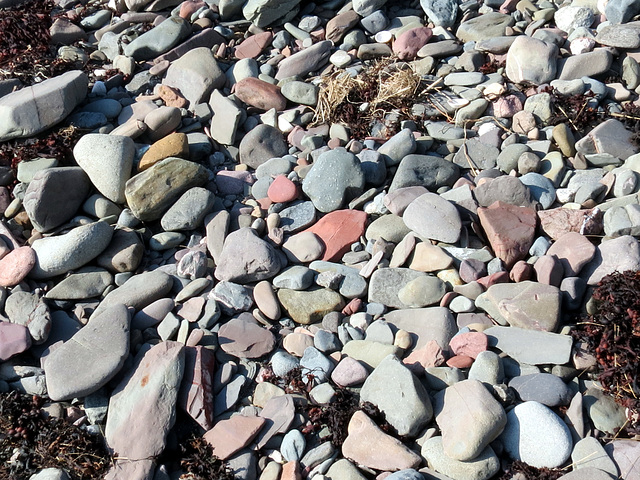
{"x":330,"y":240}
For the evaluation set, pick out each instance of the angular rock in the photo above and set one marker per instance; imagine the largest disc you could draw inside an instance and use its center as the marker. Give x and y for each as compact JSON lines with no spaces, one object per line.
{"x":230,"y":436}
{"x":530,"y":346}
{"x":247,"y":258}
{"x":434,"y":218}
{"x":195,"y":74}
{"x":338,"y":230}
{"x":307,"y":307}
{"x":196,"y":391}
{"x":244,"y":337}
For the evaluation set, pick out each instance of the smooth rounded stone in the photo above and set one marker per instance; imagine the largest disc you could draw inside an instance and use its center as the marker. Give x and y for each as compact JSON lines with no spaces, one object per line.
{"x":483,"y":27}
{"x":59,"y":254}
{"x":307,"y":307}
{"x":261,"y":144}
{"x":50,"y":474}
{"x":625,"y":454}
{"x":146,"y":396}
{"x":353,"y":285}
{"x":441,"y":13}
{"x":173,"y":145}
{"x":99,"y":207}
{"x":282,"y":363}
{"x":274,"y":167}
{"x":477,"y":154}
{"x":260,"y":94}
{"x":343,"y":469}
{"x":572,"y":17}
{"x":338,"y":230}
{"x":536,"y":436}
{"x":590,"y":64}
{"x":422,"y":291}
{"x":483,"y":467}
{"x":335,"y":178}
{"x":86,"y":283}
{"x":398,"y":147}
{"x":293,"y":445}
{"x":424,"y":170}
{"x":304,"y":61}
{"x":398,"y":200}
{"x":588,"y":454}
{"x":316,"y":364}
{"x":231,"y":297}
{"x":619,"y":36}
{"x":296,"y":343}
{"x":506,"y":189}
{"x":509,"y":156}
{"x":607,"y":259}
{"x":297,"y":216}
{"x":107,"y":160}
{"x":92,"y":357}
{"x":487,"y":368}
{"x":432,"y":217}
{"x":28,"y":168}
{"x":300,"y":93}
{"x":429,"y":258}
{"x":296,"y":277}
{"x":33,"y":109}
{"x":264,"y":13}
{"x":606,"y":415}
{"x":543,"y":388}
{"x":188,"y":212}
{"x":48,"y":200}
{"x":409,"y":42}
{"x":16,"y":265}
{"x":124,"y":253}
{"x":398,"y":393}
{"x":626,"y":182}
{"x":531,"y":346}
{"x":389,"y":455}
{"x":541,"y":188}
{"x":303,"y":247}
{"x":469,"y":419}
{"x":150,"y":193}
{"x":158,"y":40}
{"x":385,"y":285}
{"x":388,"y":227}
{"x":138,"y":292}
{"x":247,"y":258}
{"x":441,"y":326}
{"x":266,"y":300}
{"x":161,"y":121}
{"x":443,"y":48}
{"x":326,"y":341}
{"x":166,"y":240}
{"x":466,"y":79}
{"x":368,"y":352}
{"x":573,"y":251}
{"x":195,"y":74}
{"x":349,"y":372}
{"x":380,"y":331}
{"x":244,"y":337}
{"x":14,"y":339}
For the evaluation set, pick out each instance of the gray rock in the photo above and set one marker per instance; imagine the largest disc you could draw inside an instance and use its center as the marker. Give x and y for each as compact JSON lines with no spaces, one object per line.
{"x":54,"y":196}
{"x":91,"y":358}
{"x":398,"y":147}
{"x":297,"y":216}
{"x":541,"y":188}
{"x":59,"y":254}
{"x":353,"y":285}
{"x":33,"y":109}
{"x":476,"y":154}
{"x":590,"y":64}
{"x":247,"y":258}
{"x":530,"y":346}
{"x":300,"y":93}
{"x":543,"y":388}
{"x":227,"y":117}
{"x":531,"y":61}
{"x":441,"y":13}
{"x":432,"y":217}
{"x":487,"y":368}
{"x":607,"y":259}
{"x":315,"y":363}
{"x":424,"y":170}
{"x":606,"y":415}
{"x":28,"y":310}
{"x":296,"y":277}
{"x":441,"y":326}
{"x":159,"y":39}
{"x":373,"y":167}
{"x":483,"y":467}
{"x":188,"y":212}
{"x":266,"y":12}
{"x":621,"y":11}
{"x":261,"y":144}
{"x":488,"y":25}
{"x":293,"y":446}
{"x":589,"y":453}
{"x":335,"y":179}
{"x":85,"y":283}
{"x":305,"y":61}
{"x":385,"y":284}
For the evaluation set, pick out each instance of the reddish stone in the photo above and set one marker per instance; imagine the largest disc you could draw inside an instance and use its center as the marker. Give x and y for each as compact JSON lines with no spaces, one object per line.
{"x":14,"y":339}
{"x":558,"y":221}
{"x":510,"y":230}
{"x":229,"y":436}
{"x":295,"y":137}
{"x":339,"y":25}
{"x":291,"y":471}
{"x":196,"y":390}
{"x":16,"y":265}
{"x":254,"y":45}
{"x":260,"y":94}
{"x":244,"y":337}
{"x":498,"y":277}
{"x":446,"y":300}
{"x":188,"y":8}
{"x":408,"y":43}
{"x":430,"y":355}
{"x":171,"y":96}
{"x":282,"y":190}
{"x":460,"y":361}
{"x":521,"y":272}
{"x":573,"y":251}
{"x":469,"y":344}
{"x":338,"y":230}
{"x":507,"y":106}
{"x":548,"y":270}
{"x":355,"y":305}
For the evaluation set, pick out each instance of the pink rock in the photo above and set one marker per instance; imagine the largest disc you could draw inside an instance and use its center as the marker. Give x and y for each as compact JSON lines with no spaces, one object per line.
{"x":244,"y":337}
{"x":338,"y":230}
{"x":498,"y":277}
{"x":521,"y":271}
{"x":279,"y":413}
{"x":282,"y":190}
{"x":558,"y":221}
{"x":339,"y":25}
{"x":398,"y":200}
{"x":260,"y":94}
{"x":507,"y":106}
{"x":471,"y":270}
{"x":14,"y":339}
{"x":469,"y":344}
{"x":408,"y":43}
{"x":196,"y":390}
{"x":188,"y":8}
{"x":191,"y":309}
{"x":625,"y":454}
{"x":426,"y":357}
{"x":152,"y":314}
{"x":349,"y":372}
{"x":510,"y":230}
{"x":16,"y":265}
{"x":296,"y":343}
{"x":231,"y":182}
{"x":354,"y":305}
{"x":229,"y":436}
{"x":460,"y":361}
{"x":574,"y":251}
{"x":171,"y":96}
{"x":548,"y":270}
{"x":291,"y":471}
{"x":254,"y":45}
{"x":367,"y":445}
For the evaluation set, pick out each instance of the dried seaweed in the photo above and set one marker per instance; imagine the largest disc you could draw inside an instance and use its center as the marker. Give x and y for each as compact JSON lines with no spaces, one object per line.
{"x":612,"y":335}
{"x":30,"y":442}
{"x":522,"y":471}
{"x":200,"y":462}
{"x":573,"y":110}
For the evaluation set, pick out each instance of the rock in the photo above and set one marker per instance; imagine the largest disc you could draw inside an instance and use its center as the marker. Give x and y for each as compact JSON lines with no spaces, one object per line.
{"x":607,"y":260}
{"x":226,"y":118}
{"x":543,"y":388}
{"x":230,"y":436}
{"x":142,"y":407}
{"x":483,"y":467}
{"x":399,"y":395}
{"x":50,"y":474}
{"x":574,"y":251}
{"x":91,"y":358}
{"x":441,"y":326}
{"x":305,"y":61}
{"x":335,"y":179}
{"x":307,"y":307}
{"x":243,"y":337}
{"x":410,"y":41}
{"x":441,"y":13}
{"x":588,"y":454}
{"x":619,"y":36}
{"x":261,"y":144}
{"x":338,"y":230}
{"x":368,"y":352}
{"x":505,"y":189}
{"x":196,"y":391}
{"x":536,"y":436}
{"x":188,"y":212}
{"x":33,"y":109}
{"x":59,"y":254}
{"x":424,"y":170}
{"x":477,"y":154}
{"x":49,"y":202}
{"x":158,"y":40}
{"x":265,"y":12}
{"x":486,"y":26}
{"x":107,"y":160}
{"x":625,"y":454}
{"x":14,"y":339}
{"x":161,"y":122}
{"x":260,"y":94}
{"x":150,"y":193}
{"x":195,"y":74}
{"x":390,"y":454}
{"x":434,"y":218}
{"x":530,"y":346}
{"x":343,"y":469}
{"x":510,"y":230}
{"x":606,"y":415}
{"x":124,"y":253}
{"x":590,"y":64}
{"x":247,"y":258}
{"x":16,"y":265}
{"x":610,"y":137}
{"x":531,"y":61}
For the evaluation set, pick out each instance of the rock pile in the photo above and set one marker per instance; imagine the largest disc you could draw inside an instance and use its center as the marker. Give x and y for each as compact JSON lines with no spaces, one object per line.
{"x":211,"y":252}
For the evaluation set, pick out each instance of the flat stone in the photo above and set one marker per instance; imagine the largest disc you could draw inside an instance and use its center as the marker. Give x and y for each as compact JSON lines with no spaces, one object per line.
{"x":625,"y":454}
{"x":14,"y":339}
{"x":530,"y":346}
{"x":196,"y":391}
{"x":426,"y":171}
{"x":230,"y":436}
{"x":432,"y":217}
{"x":588,"y":453}
{"x":483,"y":467}
{"x":338,"y":230}
{"x":260,"y":94}
{"x":369,"y":352}
{"x":543,"y":388}
{"x":607,"y":259}
{"x":307,"y":307}
{"x":91,"y":358}
{"x":265,"y":12}
{"x":188,"y":212}
{"x":159,"y":39}
{"x":488,"y":25}
{"x":440,"y":328}
{"x":590,"y":64}
{"x":305,"y":61}
{"x":195,"y":74}
{"x":124,"y":253}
